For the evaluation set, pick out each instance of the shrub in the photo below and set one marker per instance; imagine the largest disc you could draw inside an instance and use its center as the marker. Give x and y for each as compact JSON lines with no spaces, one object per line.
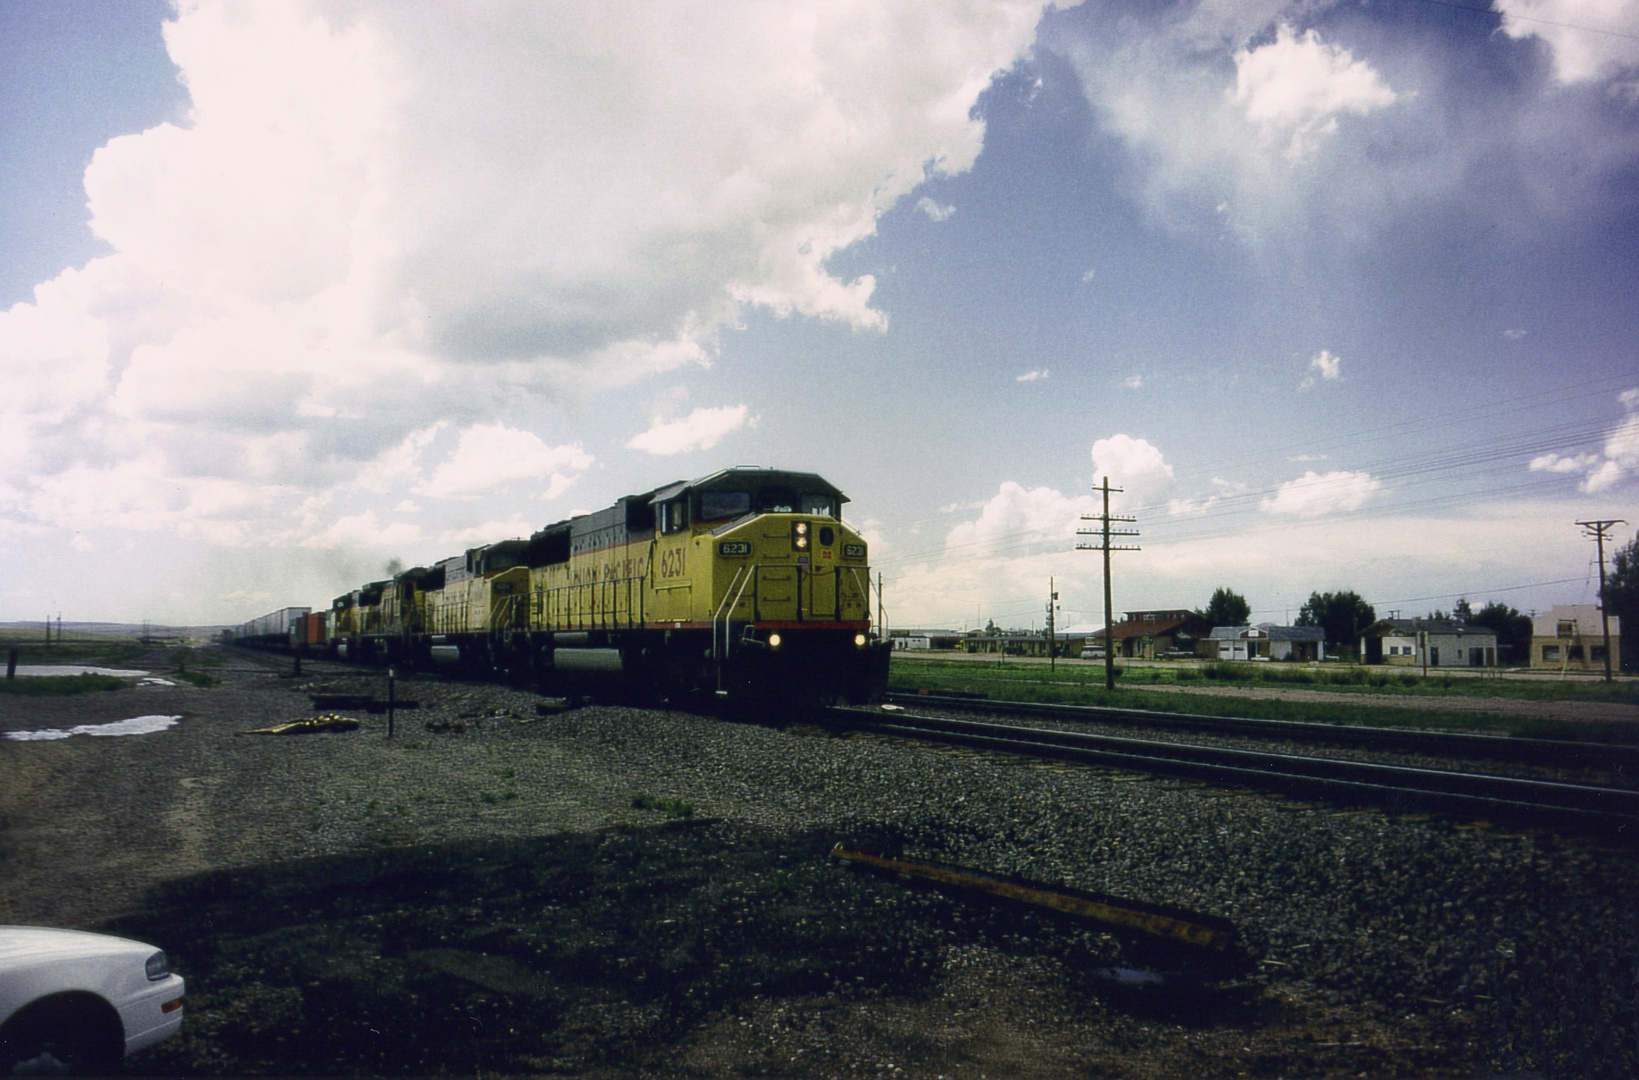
{"x":1229,"y":672}
{"x":59,"y":685}
{"x":672,"y":808}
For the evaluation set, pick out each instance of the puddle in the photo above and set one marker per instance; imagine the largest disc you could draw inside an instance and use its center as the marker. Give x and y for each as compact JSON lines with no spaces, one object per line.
{"x":136,"y":725}
{"x":41,"y":670}
{"x":155,"y":680}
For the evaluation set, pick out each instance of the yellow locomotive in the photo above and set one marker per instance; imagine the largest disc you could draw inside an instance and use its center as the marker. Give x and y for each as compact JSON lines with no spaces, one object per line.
{"x":743,"y":583}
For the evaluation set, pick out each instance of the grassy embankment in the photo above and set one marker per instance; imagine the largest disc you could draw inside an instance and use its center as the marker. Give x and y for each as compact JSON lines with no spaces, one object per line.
{"x":1164,"y":688}
{"x":109,"y":653}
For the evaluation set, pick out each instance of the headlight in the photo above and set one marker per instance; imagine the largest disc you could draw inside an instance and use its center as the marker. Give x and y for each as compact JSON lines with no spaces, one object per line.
{"x":157,"y":967}
{"x":859,"y":640}
{"x":773,"y":641}
{"x":799,"y":536}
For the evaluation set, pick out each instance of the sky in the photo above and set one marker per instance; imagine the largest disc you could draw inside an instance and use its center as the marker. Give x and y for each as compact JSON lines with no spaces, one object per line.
{"x":1339,"y":295}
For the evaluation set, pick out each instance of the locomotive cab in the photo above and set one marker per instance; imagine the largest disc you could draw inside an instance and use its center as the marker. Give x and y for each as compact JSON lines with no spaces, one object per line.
{"x":763,"y":560}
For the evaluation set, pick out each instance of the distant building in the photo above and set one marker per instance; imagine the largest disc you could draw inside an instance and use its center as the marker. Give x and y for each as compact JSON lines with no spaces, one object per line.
{"x":1571,"y":637}
{"x":1265,"y":641}
{"x":1023,"y":642}
{"x":1152,"y":634}
{"x":926,"y":639}
{"x":1434,"y":642}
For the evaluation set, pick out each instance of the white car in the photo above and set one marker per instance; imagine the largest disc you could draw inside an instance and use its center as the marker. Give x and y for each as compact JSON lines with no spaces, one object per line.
{"x":73,"y":1002}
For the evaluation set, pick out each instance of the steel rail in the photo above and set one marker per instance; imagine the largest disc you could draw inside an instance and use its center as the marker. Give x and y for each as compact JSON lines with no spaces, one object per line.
{"x":1609,"y":757}
{"x":1539,"y":803}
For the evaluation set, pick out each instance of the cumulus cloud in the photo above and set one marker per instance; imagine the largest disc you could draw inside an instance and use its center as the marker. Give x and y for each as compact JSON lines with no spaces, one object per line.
{"x":1134,"y":465}
{"x":935,"y":211}
{"x":1314,"y":494}
{"x":493,"y":455}
{"x":1617,"y":460}
{"x":363,"y":530}
{"x":1017,"y":517}
{"x":1588,"y":40}
{"x":1326,"y":366}
{"x":702,"y":429}
{"x":1133,"y":382}
{"x":1557,"y":463}
{"x":1230,"y":130}
{"x":379,"y":217}
{"x":1296,"y":87}
{"x":1031,"y":376}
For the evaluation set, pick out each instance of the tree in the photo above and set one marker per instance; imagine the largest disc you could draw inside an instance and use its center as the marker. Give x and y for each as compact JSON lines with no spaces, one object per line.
{"x":1463,"y":613}
{"x":1341,"y":615}
{"x":1226,"y":608}
{"x":1622,"y":597}
{"x":1513,"y":631}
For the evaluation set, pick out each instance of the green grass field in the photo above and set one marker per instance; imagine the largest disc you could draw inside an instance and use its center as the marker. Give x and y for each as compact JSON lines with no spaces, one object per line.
{"x":60,"y":685}
{"x":1347,"y":701}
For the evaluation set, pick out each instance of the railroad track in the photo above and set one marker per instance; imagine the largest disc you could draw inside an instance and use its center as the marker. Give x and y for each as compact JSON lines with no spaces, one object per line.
{"x":1609,"y":812}
{"x":1564,"y":753}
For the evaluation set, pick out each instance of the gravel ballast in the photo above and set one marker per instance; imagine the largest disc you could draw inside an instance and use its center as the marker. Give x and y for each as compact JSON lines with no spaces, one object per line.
{"x":487,"y":897}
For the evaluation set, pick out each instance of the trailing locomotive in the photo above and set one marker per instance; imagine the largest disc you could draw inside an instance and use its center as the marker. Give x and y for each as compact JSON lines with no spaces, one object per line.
{"x":745,"y":583}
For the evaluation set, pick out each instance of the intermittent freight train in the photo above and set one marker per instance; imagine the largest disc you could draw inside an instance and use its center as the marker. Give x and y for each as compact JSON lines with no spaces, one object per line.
{"x":745,"y":583}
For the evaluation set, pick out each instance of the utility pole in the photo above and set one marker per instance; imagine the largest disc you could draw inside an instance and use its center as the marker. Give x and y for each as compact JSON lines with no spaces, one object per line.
{"x":1052,"y":602}
{"x":1598,"y":530}
{"x":1105,"y":532}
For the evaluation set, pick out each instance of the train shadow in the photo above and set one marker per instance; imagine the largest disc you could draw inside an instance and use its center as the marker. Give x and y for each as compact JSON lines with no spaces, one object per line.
{"x":569,"y":952}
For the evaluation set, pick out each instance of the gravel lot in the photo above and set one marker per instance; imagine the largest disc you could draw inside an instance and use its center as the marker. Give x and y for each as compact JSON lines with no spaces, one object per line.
{"x":487,"y":898}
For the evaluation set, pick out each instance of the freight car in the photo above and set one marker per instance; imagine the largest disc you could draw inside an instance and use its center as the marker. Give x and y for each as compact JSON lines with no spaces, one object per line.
{"x":745,"y":583}
{"x":277,"y":629}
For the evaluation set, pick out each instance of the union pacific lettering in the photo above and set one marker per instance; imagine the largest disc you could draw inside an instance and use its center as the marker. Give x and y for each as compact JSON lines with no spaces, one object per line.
{"x":609,"y":571}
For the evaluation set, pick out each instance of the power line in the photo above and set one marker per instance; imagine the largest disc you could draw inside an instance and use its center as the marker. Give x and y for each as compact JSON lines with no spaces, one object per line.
{"x":1530,"y":19}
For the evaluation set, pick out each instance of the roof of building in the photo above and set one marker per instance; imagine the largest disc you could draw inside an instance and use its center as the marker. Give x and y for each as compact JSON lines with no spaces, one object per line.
{"x":1177,"y":624}
{"x":1412,"y":627}
{"x":1267,"y":632}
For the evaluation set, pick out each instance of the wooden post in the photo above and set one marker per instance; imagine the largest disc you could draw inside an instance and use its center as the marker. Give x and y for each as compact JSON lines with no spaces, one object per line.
{"x":391,"y":674}
{"x":11,"y":664}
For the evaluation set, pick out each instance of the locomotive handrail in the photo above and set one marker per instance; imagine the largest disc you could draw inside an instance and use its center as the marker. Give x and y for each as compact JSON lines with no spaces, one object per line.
{"x":864,"y":591}
{"x":728,"y":603}
{"x":726,"y":610}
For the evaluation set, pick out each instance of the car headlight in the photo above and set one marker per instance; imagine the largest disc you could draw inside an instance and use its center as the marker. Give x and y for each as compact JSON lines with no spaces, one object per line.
{"x":157,"y":967}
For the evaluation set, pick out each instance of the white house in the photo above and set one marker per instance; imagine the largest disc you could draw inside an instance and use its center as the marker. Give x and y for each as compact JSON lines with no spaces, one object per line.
{"x":1265,"y":641}
{"x":1434,"y":642}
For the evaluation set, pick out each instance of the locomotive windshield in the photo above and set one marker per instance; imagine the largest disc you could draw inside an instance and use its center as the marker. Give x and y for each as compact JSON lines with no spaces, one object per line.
{"x":722,"y":505}
{"x":776,"y":500}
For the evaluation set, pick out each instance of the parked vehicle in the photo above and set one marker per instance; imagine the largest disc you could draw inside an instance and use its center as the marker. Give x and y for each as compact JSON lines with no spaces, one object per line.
{"x":73,"y":1002}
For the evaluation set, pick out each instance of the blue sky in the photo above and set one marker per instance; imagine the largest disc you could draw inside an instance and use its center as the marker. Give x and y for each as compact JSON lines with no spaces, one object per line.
{"x":1342,"y":294}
